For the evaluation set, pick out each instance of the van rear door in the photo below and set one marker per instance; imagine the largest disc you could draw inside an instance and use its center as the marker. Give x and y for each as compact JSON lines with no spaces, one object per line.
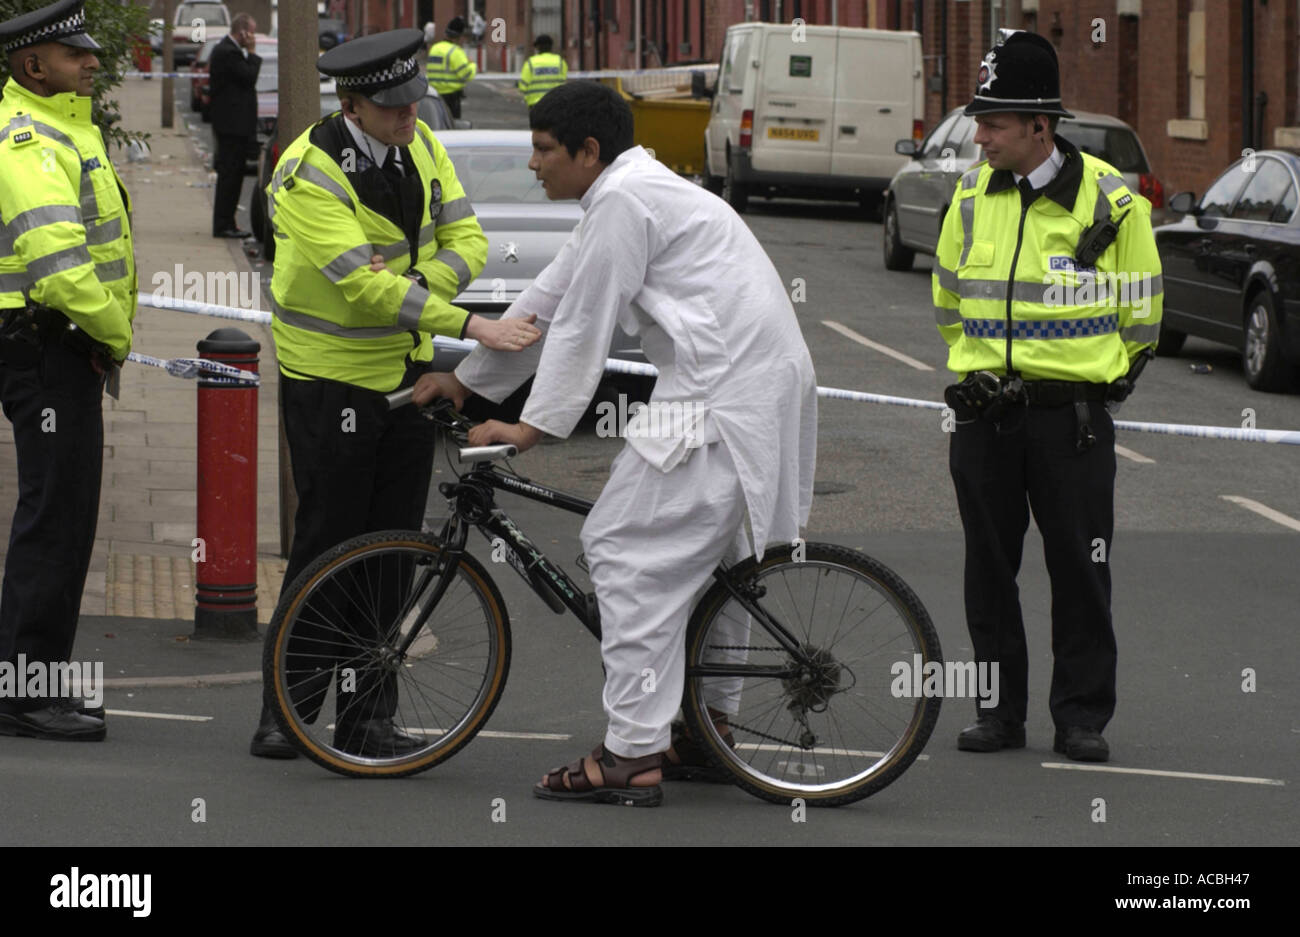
{"x":795,"y":101}
{"x":728,"y":98}
{"x":877,"y":96}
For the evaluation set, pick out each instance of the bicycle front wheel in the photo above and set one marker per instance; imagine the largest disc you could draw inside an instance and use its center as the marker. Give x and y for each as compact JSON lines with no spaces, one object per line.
{"x":822,"y":724}
{"x":409,"y":675}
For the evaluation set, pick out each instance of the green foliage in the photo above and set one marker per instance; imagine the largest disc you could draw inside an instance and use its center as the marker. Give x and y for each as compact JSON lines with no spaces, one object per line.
{"x":114,"y":24}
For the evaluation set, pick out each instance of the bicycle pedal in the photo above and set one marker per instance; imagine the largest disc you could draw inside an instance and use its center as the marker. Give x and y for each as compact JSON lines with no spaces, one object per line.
{"x":581,"y":562}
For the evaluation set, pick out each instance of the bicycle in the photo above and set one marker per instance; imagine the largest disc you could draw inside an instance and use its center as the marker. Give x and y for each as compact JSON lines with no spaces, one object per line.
{"x":813,"y":716}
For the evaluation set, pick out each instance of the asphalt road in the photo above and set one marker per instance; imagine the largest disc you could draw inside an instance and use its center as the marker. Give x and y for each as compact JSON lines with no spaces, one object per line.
{"x":1205,"y":590}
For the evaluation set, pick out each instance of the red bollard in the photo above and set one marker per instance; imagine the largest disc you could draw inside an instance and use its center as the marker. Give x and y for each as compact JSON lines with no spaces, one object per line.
{"x":225,"y":578}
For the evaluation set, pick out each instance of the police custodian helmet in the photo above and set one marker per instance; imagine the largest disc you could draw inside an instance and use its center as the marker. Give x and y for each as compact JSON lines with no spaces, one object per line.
{"x":383,"y":67}
{"x":1019,"y":74}
{"x":63,"y":22}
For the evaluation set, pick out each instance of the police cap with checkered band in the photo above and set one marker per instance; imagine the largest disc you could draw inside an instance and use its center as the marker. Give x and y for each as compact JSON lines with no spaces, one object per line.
{"x":1019,"y":74}
{"x":63,"y":22}
{"x":384,"y":67}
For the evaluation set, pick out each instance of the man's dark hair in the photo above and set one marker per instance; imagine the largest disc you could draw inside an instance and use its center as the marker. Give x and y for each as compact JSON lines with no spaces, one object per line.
{"x":543,"y":43}
{"x":240,"y":21}
{"x":580,"y":109}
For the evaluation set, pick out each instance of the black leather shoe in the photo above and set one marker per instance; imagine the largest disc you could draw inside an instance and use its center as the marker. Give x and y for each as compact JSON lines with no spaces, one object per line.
{"x":269,"y":741}
{"x":53,"y":722}
{"x":990,"y":734}
{"x":1080,"y":744}
{"x":375,"y":738}
{"x":233,"y":233}
{"x":78,"y":705}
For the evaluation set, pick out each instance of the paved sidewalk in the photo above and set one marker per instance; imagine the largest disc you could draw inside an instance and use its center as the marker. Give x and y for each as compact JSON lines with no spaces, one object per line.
{"x":141,"y":564}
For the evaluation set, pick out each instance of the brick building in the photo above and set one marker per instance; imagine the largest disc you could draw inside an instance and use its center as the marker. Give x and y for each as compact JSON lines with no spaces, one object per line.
{"x":1173,"y":69}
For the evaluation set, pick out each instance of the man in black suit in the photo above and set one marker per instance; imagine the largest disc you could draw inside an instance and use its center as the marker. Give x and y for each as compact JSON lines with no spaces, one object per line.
{"x":233,"y":79}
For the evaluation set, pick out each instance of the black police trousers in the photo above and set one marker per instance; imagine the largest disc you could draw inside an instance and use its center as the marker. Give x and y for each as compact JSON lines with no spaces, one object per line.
{"x":357,"y":468}
{"x":998,"y":479}
{"x":54,"y":401}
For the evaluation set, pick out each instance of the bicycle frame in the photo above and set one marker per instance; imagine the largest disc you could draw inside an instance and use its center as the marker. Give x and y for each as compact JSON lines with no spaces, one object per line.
{"x":473,"y":505}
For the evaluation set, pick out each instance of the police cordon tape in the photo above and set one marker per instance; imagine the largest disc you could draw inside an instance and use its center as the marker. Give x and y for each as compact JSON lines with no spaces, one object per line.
{"x":636,"y":368}
{"x":198,"y":367}
{"x":485,"y":76}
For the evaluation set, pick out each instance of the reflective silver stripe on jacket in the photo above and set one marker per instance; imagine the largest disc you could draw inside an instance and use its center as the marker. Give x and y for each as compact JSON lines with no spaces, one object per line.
{"x":412,"y":306}
{"x":1140,"y":333}
{"x":16,"y":123}
{"x":39,"y":218}
{"x":309,"y":323}
{"x":111,"y":270}
{"x":392,"y":251}
{"x":947,"y":278}
{"x":971,"y":178}
{"x":66,"y":259}
{"x":458,"y":209}
{"x":1054,"y":295}
{"x":314,"y":175}
{"x":346,"y":263}
{"x":945,"y":316}
{"x":1110,"y":183}
{"x":968,"y":228}
{"x":104,"y":233}
{"x":457,"y":263}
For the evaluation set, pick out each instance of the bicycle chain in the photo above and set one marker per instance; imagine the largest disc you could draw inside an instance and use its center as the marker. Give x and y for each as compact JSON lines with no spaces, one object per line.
{"x":742,"y":647}
{"x":764,"y":735}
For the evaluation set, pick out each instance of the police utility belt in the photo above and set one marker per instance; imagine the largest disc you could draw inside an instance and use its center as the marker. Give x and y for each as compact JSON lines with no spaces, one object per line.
{"x":1001,"y":399}
{"x":25,"y":331}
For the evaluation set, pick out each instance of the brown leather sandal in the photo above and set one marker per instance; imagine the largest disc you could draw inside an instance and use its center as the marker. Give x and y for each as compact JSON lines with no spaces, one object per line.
{"x":694,"y":761}
{"x":616,"y":789}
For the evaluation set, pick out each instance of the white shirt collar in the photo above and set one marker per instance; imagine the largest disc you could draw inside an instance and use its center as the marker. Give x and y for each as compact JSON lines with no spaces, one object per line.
{"x":372,"y":147}
{"x":1046,"y":170}
{"x":635,"y":154}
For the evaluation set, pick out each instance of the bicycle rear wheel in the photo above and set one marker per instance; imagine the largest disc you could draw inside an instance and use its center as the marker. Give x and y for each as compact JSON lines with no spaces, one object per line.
{"x":826,"y":728}
{"x":341,"y":642}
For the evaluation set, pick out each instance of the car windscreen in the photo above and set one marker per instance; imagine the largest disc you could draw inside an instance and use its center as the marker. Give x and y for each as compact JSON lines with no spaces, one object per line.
{"x":1116,"y":145}
{"x":268,"y":76}
{"x":212,"y":14}
{"x":496,"y":173}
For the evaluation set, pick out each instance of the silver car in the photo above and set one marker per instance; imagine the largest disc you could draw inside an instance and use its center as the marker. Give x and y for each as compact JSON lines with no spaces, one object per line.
{"x":524,"y":228}
{"x":918,"y":196}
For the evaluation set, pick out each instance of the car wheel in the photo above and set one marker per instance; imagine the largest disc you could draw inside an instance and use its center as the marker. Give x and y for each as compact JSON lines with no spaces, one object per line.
{"x":897,"y":257}
{"x":1170,"y":342}
{"x":1262,"y":358}
{"x":871,"y":203}
{"x":736,"y":194}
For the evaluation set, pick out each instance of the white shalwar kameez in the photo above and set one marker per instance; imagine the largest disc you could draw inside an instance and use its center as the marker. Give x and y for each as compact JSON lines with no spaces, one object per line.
{"x":674,"y":265}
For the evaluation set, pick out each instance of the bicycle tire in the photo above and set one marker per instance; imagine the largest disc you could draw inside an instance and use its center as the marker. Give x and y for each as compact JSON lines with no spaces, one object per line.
{"x":906,"y":722}
{"x":304,"y":654}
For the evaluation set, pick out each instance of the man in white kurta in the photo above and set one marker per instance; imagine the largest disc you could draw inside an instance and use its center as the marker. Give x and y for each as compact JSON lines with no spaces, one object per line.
{"x":673,"y":264}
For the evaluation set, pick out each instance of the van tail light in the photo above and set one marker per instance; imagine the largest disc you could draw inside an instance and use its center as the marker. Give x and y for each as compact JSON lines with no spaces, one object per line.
{"x":1150,"y":187}
{"x":918,"y":131}
{"x":275,"y":154}
{"x":746,"y":130}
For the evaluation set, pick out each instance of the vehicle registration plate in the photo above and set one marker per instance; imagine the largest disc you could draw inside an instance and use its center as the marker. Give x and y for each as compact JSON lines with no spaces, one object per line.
{"x":793,"y":133}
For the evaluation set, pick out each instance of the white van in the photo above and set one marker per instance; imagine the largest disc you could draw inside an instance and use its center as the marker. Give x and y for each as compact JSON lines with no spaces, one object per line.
{"x":812,"y":111}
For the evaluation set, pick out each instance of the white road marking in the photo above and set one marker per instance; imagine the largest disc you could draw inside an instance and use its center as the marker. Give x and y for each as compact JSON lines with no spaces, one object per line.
{"x":178,"y":717}
{"x":1263,"y":510}
{"x":1167,"y":774}
{"x":1133,"y":456}
{"x":883,"y":349}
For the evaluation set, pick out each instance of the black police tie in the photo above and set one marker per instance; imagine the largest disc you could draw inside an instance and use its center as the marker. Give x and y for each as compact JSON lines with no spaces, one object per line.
{"x":1027,"y":191}
{"x":391,"y":172}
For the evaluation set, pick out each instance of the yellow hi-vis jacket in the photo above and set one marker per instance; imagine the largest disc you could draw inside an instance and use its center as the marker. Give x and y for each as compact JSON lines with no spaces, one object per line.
{"x":334,"y":318}
{"x":996,"y":263}
{"x":66,"y":236}
{"x":541,"y":73}
{"x":449,"y":68}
